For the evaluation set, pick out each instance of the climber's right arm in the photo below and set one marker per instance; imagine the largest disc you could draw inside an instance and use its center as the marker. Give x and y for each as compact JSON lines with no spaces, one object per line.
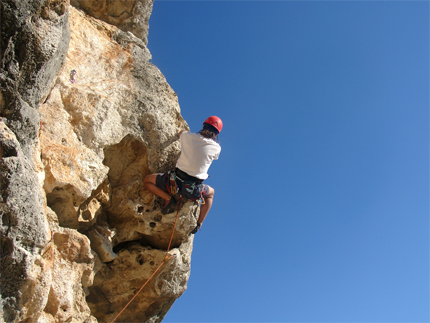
{"x":181,"y":132}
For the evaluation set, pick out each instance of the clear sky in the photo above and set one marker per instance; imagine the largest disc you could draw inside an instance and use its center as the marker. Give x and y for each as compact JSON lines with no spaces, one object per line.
{"x":321,"y":211}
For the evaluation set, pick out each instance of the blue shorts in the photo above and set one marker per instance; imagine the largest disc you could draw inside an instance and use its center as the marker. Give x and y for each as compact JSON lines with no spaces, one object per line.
{"x":163,"y":182}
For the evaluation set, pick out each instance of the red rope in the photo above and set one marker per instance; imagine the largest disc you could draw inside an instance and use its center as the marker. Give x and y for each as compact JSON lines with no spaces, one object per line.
{"x":162,"y":263}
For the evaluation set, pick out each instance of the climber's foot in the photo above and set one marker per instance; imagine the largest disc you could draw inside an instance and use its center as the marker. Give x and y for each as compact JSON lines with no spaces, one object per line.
{"x":169,"y":207}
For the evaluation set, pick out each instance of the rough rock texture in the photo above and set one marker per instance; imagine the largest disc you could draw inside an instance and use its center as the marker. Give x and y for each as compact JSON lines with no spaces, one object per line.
{"x":84,"y":118}
{"x":33,"y":49}
{"x":127,"y":15}
{"x":69,"y":272}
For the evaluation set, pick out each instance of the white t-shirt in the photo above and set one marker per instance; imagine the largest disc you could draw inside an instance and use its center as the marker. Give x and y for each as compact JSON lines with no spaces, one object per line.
{"x":197,"y":154}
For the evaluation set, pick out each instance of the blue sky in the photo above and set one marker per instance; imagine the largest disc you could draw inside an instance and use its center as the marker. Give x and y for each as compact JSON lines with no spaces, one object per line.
{"x":321,"y":211}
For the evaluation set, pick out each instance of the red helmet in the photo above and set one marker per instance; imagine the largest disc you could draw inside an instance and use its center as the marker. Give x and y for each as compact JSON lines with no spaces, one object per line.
{"x":215,"y":122}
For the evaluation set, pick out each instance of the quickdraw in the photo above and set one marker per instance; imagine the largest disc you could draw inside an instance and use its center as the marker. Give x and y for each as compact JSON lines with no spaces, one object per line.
{"x":72,"y":76}
{"x":172,"y":183}
{"x":201,"y":200}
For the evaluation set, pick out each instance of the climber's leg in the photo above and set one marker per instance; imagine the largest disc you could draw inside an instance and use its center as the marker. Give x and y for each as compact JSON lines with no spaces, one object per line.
{"x":150,"y":183}
{"x":156,"y":184}
{"x":204,"y":208}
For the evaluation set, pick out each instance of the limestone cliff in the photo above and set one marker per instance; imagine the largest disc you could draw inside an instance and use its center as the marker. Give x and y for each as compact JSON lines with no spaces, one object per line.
{"x":84,"y":118}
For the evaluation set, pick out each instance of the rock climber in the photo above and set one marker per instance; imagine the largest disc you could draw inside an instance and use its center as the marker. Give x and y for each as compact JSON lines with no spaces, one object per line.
{"x":198,"y":150}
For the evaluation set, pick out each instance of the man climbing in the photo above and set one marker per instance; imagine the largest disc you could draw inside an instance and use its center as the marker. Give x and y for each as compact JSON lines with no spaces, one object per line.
{"x":198,"y":150}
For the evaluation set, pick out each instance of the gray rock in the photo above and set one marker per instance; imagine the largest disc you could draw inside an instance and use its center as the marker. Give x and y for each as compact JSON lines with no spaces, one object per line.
{"x":23,"y":227}
{"x":33,"y":48}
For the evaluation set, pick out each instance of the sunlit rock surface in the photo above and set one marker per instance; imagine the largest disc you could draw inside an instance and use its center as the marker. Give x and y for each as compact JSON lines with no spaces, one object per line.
{"x":85,"y":117}
{"x":127,"y":15}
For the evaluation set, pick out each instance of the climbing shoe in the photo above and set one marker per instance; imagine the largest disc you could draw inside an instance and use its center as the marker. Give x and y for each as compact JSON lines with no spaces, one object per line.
{"x":197,"y":228}
{"x":170,"y":206}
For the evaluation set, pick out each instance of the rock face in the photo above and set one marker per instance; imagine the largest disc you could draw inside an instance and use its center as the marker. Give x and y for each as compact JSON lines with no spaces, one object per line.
{"x":84,"y":118}
{"x":127,"y":15}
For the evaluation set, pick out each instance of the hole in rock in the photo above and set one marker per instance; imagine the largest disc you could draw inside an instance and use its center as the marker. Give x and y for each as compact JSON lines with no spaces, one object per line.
{"x":140,"y":209}
{"x":64,"y":201}
{"x":7,"y":246}
{"x":7,"y":150}
{"x":141,"y":259}
{"x":160,"y":242}
{"x":122,"y":246}
{"x":152,"y":224}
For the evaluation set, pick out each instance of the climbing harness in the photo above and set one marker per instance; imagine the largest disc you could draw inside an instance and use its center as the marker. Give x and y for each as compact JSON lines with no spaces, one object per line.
{"x":176,"y":185}
{"x":187,"y":187}
{"x":166,"y":257}
{"x":72,"y":76}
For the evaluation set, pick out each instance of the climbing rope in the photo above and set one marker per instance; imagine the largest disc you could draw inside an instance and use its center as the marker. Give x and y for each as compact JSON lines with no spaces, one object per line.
{"x":166,"y":257}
